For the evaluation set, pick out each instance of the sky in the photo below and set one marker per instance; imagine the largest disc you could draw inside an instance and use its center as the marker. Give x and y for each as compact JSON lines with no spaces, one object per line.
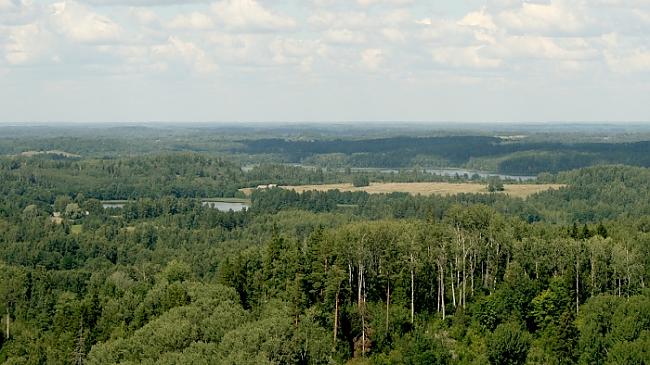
{"x":511,"y":61}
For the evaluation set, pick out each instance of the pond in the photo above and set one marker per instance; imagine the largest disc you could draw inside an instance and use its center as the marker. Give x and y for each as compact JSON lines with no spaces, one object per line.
{"x":226,"y":206}
{"x":117,"y":204}
{"x":223,"y":206}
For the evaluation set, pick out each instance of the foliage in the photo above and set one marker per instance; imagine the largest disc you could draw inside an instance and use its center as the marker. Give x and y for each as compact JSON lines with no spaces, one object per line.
{"x":508,"y":345}
{"x":360,"y":180}
{"x":316,"y":277}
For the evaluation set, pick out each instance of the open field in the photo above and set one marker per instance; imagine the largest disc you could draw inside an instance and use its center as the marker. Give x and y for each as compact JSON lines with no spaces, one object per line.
{"x":75,"y":228}
{"x":428,"y":188}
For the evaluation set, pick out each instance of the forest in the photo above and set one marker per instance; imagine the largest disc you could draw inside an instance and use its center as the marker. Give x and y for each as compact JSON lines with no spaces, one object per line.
{"x":515,"y":150}
{"x":325,"y":277}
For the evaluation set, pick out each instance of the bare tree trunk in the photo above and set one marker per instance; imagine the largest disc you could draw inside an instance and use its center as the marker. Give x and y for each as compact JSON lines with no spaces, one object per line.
{"x":336,"y":316}
{"x":472,"y":263}
{"x":494,"y":282}
{"x":577,"y":284}
{"x":593,"y":275}
{"x":627,"y":265}
{"x":442,"y":289}
{"x":412,"y":289}
{"x":363,"y":335}
{"x":464,"y":290}
{"x":486,"y":282}
{"x":439,"y":291}
{"x":350,"y":278}
{"x":457,"y":266}
{"x":453,"y":291}
{"x":482,"y":273}
{"x":360,"y":282}
{"x":387,"y":305}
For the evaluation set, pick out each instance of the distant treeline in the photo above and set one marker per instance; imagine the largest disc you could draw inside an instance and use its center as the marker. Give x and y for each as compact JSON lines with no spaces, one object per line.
{"x":520,"y":157}
{"x":512,"y":157}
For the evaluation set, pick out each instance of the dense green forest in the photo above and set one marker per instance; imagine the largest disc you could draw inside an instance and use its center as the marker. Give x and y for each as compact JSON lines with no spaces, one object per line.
{"x":520,"y":158}
{"x":319,"y":277}
{"x":513,"y":151}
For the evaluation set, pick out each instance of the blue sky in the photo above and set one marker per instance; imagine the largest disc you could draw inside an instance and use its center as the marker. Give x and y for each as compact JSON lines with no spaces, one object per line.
{"x":324,"y":60}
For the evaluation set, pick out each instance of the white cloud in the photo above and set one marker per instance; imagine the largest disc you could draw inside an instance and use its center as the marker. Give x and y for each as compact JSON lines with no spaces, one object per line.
{"x":193,"y":20}
{"x":478,"y":19}
{"x":17,"y":12}
{"x":250,"y":16}
{"x":632,"y":61}
{"x":344,"y":36}
{"x":340,"y":20}
{"x":372,"y":59}
{"x":554,"y":18}
{"x":26,"y":44}
{"x":393,"y":34}
{"x":187,"y":52}
{"x":296,"y":52}
{"x":143,"y":2}
{"x":444,"y":32}
{"x":385,"y":2}
{"x":144,"y":16}
{"x":464,"y":57}
{"x":80,"y":24}
{"x":9,"y":5}
{"x":264,"y":42}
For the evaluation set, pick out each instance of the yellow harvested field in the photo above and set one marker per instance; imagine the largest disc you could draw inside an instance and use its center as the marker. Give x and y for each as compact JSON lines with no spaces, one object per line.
{"x":428,"y":188}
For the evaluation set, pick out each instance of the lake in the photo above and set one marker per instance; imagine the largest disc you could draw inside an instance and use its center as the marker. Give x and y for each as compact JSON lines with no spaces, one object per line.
{"x":223,"y":206}
{"x":226,"y":206}
{"x":113,"y":205}
{"x":448,"y":172}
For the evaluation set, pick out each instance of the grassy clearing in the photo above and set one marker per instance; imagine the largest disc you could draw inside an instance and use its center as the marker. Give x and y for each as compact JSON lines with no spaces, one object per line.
{"x":75,"y":229}
{"x":429,"y":188}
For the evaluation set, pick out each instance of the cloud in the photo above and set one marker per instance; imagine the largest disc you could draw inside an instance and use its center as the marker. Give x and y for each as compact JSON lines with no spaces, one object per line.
{"x":478,"y":19}
{"x":384,"y":2}
{"x":554,"y":18}
{"x":80,"y":24}
{"x":187,"y":52}
{"x":464,"y":57}
{"x":372,"y":59}
{"x":250,"y":16}
{"x":262,"y":42}
{"x":144,"y":16}
{"x":194,"y":20}
{"x":340,"y":20}
{"x":143,"y":2}
{"x":26,"y":44}
{"x":393,"y":34}
{"x":17,"y":12}
{"x":301,"y":53}
{"x":10,"y":5}
{"x":632,"y":61}
{"x":344,"y":36}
